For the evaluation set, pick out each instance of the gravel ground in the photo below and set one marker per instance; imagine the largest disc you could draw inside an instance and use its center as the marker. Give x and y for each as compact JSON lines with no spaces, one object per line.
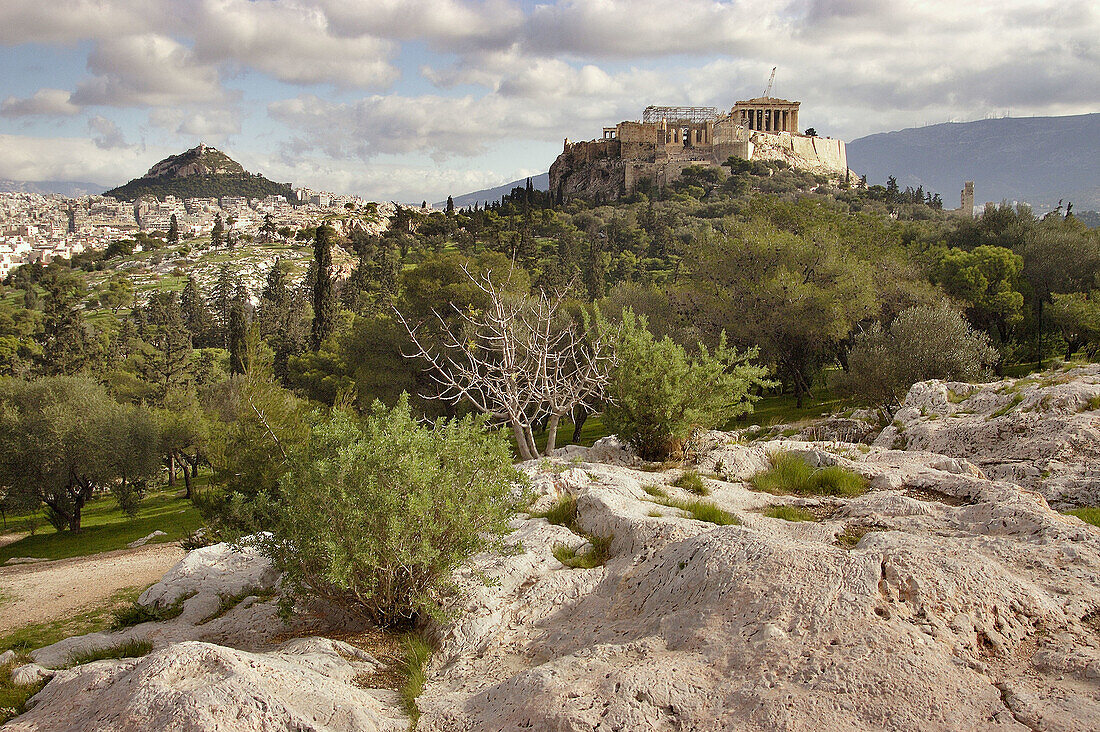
{"x":44,"y":591}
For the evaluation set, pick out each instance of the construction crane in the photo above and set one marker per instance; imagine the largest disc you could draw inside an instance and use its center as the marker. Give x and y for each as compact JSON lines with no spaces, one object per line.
{"x":771,"y":81}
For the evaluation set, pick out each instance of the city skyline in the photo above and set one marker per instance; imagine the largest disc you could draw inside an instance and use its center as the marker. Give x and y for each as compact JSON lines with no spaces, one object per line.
{"x":415,"y":100}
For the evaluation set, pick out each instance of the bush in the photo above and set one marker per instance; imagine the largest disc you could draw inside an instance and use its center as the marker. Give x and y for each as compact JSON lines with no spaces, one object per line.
{"x":789,"y":473}
{"x":658,"y":393}
{"x":375,"y":514}
{"x":924,"y":342}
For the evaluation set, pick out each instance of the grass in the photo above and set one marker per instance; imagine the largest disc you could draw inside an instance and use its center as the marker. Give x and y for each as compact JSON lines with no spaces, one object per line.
{"x":692,"y":482}
{"x":595,"y":556}
{"x":592,"y":430}
{"x":562,"y":513}
{"x":704,"y":511}
{"x":228,"y":602}
{"x":106,"y":528}
{"x":417,"y":654}
{"x":13,"y":699}
{"x":789,"y":513}
{"x":1008,"y":407}
{"x":1092,"y":404}
{"x":789,"y":473}
{"x":28,"y":637}
{"x":1089,"y":514}
{"x":135,"y":614}
{"x":784,"y":409}
{"x":126,"y":649}
{"x":853,"y":534}
{"x":655,"y":490}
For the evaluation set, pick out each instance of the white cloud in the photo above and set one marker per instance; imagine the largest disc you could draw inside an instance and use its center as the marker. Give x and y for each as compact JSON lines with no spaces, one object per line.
{"x":68,"y":158}
{"x":207,"y":124}
{"x":149,"y":70}
{"x":44,"y":102}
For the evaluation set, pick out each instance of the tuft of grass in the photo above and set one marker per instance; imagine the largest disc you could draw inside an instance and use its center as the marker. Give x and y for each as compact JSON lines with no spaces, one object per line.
{"x":655,"y":514}
{"x":417,"y":654}
{"x":1092,"y":404}
{"x":692,"y":482}
{"x":562,"y":513}
{"x":789,"y":513}
{"x":136,"y":614}
{"x":705,"y":511}
{"x":956,"y":397}
{"x":853,"y":534}
{"x":126,"y":649}
{"x":1008,"y":407}
{"x":1088,"y":514}
{"x":596,"y":555}
{"x":228,"y":602}
{"x":655,"y":490}
{"x":789,"y":473}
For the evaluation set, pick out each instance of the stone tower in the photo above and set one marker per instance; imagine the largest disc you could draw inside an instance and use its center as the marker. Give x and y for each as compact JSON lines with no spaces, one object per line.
{"x":966,"y":204}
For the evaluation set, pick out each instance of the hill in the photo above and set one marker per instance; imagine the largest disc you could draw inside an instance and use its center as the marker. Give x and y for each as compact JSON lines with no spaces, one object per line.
{"x":1040,"y":160}
{"x":540,"y":182}
{"x":70,"y":188}
{"x":201,"y":172}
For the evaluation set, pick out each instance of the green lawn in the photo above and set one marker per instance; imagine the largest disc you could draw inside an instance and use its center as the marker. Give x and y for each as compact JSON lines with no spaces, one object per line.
{"x":106,"y":527}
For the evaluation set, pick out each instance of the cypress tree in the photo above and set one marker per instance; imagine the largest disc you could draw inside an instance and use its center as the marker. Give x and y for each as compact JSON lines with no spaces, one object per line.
{"x":238,"y":333}
{"x":324,"y":298}
{"x":173,"y":230}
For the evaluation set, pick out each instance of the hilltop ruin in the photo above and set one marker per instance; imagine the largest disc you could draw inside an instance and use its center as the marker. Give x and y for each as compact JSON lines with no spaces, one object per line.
{"x":656,"y":150}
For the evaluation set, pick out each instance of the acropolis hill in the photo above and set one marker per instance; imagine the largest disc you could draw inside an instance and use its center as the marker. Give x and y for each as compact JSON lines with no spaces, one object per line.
{"x":669,"y":139}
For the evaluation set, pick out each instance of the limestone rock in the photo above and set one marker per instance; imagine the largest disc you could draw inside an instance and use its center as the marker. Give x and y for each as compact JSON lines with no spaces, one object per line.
{"x":145,"y":539}
{"x":30,"y":674}
{"x":308,"y":684}
{"x":1038,"y":432}
{"x":7,"y":658}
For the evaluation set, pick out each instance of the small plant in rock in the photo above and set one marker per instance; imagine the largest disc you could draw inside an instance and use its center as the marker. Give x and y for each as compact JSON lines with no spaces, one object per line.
{"x":562,"y":513}
{"x":705,"y":511}
{"x":655,"y":490}
{"x":790,"y":473}
{"x":126,"y":649}
{"x":789,"y":513}
{"x":692,"y":482}
{"x":1093,"y":404}
{"x":595,"y":556}
{"x":135,"y":613}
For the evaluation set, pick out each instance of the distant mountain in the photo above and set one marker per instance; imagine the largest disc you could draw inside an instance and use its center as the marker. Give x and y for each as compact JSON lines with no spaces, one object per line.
{"x":201,"y":172}
{"x":540,"y":182}
{"x":1038,"y":160}
{"x":70,"y":188}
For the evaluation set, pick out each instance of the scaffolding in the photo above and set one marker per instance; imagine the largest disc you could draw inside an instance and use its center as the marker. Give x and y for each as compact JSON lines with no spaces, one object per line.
{"x":691,"y":115}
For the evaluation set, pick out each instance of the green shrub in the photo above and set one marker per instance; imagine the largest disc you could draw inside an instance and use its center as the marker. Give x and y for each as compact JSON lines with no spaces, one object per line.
{"x":126,"y":649}
{"x":377,"y":513}
{"x":1092,"y":404}
{"x":692,"y":482}
{"x":595,"y":556}
{"x":658,"y":393}
{"x":789,"y":513}
{"x":790,"y":473}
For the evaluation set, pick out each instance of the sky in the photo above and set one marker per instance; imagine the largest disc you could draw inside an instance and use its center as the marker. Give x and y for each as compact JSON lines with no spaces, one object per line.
{"x":411,"y":100}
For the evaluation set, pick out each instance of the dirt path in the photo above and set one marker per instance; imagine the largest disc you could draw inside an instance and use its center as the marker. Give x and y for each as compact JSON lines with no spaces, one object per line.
{"x":40,"y":592}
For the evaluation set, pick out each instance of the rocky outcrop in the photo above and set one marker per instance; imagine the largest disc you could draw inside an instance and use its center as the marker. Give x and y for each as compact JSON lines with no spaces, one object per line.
{"x":307,"y":684}
{"x":1041,"y":432}
{"x":945,"y":597}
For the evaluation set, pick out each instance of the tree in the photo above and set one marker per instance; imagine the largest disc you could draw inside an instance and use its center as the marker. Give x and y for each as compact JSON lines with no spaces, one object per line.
{"x":519,"y":361}
{"x":67,"y":342}
{"x":450,"y":206}
{"x":238,"y":332}
{"x":267,"y":230}
{"x":173,"y":231}
{"x":811,"y":132}
{"x":64,"y":437}
{"x":324,"y":298}
{"x":658,"y":394}
{"x":1077,"y":317}
{"x":196,"y":316}
{"x":167,"y":356}
{"x":986,"y":279}
{"x":217,"y":234}
{"x":922,"y":343}
{"x":282,"y":318}
{"x":119,"y":293}
{"x":375,"y":516}
{"x":225,"y":289}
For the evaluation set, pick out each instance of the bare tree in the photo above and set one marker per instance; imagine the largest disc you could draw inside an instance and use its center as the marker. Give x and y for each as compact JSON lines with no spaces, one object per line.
{"x":520,"y":361}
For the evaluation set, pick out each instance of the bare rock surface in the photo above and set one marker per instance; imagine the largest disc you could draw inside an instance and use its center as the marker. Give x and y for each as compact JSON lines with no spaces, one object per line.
{"x":307,"y":684}
{"x":1041,"y":432}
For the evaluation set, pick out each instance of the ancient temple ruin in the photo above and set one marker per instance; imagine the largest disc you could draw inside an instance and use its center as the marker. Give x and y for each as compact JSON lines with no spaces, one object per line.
{"x":656,"y":150}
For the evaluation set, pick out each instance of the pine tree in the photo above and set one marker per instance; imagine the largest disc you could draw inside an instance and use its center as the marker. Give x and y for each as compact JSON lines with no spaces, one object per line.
{"x":173,"y":230}
{"x":167,"y":362}
{"x":222,"y":300}
{"x":195,"y":314}
{"x":324,"y":299}
{"x":238,"y":332}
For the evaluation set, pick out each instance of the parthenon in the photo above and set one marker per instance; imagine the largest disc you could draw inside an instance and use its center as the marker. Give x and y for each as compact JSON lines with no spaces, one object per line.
{"x":656,"y":150}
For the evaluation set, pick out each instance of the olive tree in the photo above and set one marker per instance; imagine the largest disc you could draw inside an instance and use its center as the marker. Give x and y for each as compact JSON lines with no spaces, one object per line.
{"x":64,"y":437}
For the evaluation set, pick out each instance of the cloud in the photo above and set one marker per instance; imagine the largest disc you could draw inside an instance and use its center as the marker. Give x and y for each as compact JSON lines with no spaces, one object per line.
{"x":205,"y":124}
{"x":44,"y":102}
{"x":25,"y":157}
{"x":149,"y":70}
{"x":106,"y":134}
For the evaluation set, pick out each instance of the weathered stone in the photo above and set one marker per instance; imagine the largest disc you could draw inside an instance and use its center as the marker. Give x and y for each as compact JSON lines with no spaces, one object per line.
{"x":30,"y":674}
{"x":145,"y":539}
